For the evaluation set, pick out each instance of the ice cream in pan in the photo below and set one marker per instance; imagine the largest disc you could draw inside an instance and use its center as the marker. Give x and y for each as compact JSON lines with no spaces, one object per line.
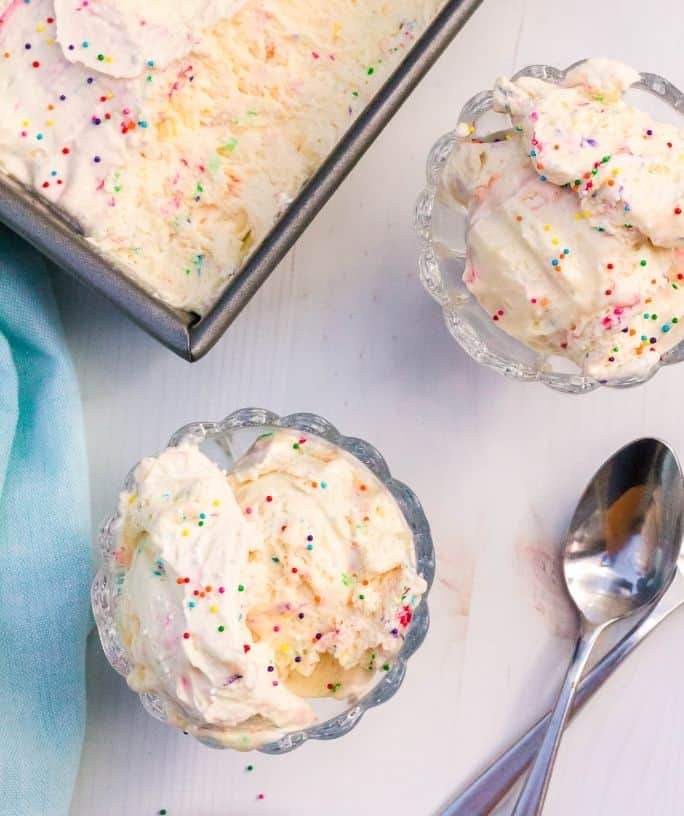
{"x":174,"y":135}
{"x":575,"y":233}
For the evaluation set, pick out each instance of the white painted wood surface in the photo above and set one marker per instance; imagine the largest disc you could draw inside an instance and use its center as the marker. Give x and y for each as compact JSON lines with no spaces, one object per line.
{"x":343,"y":328}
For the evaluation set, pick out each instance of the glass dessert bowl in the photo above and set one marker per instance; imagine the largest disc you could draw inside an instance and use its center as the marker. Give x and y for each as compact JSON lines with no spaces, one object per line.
{"x":226,"y":444}
{"x":441,"y":223}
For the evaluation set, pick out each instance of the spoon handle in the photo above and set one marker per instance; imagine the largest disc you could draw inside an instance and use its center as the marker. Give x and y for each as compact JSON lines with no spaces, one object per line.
{"x":490,"y":787}
{"x":531,"y":799}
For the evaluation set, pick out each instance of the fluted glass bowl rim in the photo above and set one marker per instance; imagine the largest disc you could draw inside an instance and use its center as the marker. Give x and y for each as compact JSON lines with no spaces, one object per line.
{"x":104,"y":586}
{"x":460,"y":326}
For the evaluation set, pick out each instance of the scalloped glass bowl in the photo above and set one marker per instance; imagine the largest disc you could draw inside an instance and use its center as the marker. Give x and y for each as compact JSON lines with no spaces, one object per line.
{"x":225,"y":442}
{"x":440,"y":224}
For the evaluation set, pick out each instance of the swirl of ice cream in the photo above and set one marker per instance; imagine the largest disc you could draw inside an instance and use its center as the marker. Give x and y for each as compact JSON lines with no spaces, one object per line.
{"x":124,"y":36}
{"x":291,"y":576}
{"x":575,"y":236}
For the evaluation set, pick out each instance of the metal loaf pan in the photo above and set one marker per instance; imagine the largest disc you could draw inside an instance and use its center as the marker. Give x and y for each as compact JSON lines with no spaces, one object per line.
{"x":186,"y":334}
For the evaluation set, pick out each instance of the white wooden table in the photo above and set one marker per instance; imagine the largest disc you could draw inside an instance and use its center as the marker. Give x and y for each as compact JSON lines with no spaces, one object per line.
{"x":343,"y":328}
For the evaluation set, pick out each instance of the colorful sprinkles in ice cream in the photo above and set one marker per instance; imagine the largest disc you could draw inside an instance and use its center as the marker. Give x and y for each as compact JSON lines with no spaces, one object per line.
{"x":176,"y":140}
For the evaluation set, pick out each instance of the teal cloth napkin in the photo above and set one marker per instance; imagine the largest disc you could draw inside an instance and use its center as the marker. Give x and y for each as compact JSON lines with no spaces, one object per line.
{"x":44,"y":545}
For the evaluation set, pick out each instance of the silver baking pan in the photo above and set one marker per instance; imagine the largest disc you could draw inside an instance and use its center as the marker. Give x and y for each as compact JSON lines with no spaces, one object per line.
{"x":188,"y":335}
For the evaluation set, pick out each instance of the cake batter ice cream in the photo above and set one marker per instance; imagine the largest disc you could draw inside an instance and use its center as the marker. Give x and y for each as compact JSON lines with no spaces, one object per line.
{"x":575,"y":233}
{"x":173,"y":137}
{"x":244,"y":593}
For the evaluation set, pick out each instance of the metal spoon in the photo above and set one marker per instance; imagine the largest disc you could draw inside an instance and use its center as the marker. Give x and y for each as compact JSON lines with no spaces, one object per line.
{"x":620,"y":555}
{"x":485,"y":792}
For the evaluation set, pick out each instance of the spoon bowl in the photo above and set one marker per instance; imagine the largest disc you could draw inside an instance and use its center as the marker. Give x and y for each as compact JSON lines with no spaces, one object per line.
{"x":622,"y":544}
{"x":620,"y":555}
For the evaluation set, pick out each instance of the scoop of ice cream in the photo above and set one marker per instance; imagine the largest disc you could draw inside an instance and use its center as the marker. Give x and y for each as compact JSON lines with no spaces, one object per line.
{"x":293,"y":575}
{"x":341,"y":553}
{"x":575,"y":237}
{"x":582,"y":130}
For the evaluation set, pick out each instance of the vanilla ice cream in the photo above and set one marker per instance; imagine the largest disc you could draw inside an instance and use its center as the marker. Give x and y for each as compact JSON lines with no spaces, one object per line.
{"x":291,"y":576}
{"x":175,"y":138}
{"x":575,"y":235}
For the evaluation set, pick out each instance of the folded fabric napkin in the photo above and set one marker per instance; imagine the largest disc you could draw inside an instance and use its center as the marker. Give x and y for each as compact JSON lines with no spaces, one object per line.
{"x":44,"y":545}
